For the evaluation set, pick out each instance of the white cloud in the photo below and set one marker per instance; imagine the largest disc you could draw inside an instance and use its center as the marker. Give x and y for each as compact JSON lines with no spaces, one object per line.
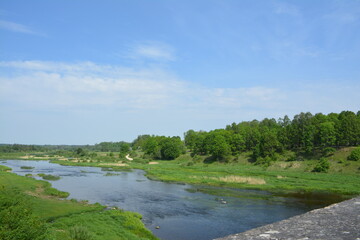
{"x":153,"y":51}
{"x":39,"y":83}
{"x":16,"y":27}
{"x":61,"y":84}
{"x":64,"y":86}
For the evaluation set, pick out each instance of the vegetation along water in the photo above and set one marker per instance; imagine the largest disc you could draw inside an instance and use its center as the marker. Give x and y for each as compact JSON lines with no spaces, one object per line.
{"x":310,"y":156}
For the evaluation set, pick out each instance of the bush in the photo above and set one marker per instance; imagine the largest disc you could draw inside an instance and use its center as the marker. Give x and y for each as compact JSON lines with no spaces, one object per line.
{"x":17,"y":221}
{"x":322,"y":166}
{"x":49,"y":177}
{"x":264,"y":161}
{"x":80,"y":233}
{"x":56,"y":193}
{"x":26,"y":167}
{"x":329,"y":151}
{"x":354,"y":155}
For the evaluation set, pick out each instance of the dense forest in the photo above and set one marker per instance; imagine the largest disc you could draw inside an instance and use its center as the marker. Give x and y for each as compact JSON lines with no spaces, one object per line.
{"x":267,"y":140}
{"x":304,"y":134}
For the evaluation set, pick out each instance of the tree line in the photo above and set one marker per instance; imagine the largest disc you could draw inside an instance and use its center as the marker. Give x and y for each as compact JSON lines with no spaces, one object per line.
{"x":99,"y":147}
{"x":305,"y":133}
{"x":266,"y":139}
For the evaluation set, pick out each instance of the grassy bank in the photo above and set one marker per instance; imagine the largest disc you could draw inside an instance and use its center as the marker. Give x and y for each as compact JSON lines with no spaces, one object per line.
{"x":280,"y":177}
{"x":274,"y":179}
{"x":63,"y":219}
{"x":343,"y":176}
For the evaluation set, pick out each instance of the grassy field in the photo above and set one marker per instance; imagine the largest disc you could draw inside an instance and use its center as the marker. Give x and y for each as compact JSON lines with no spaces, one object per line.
{"x":282,"y":176}
{"x":70,"y":219}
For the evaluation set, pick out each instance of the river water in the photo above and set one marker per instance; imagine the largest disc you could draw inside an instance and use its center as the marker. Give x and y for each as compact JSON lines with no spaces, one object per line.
{"x":181,"y":212}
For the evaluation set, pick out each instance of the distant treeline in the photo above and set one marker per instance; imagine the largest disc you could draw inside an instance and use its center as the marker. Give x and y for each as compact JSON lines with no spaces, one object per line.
{"x":305,"y":133}
{"x":99,"y":147}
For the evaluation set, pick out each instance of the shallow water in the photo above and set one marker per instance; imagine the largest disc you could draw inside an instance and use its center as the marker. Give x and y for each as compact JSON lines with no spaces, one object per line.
{"x":180,"y":210}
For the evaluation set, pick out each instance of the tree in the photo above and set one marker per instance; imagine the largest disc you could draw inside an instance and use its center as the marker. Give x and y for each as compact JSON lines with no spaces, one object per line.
{"x":237,"y":143}
{"x":217,"y":146}
{"x":251,"y":134}
{"x":190,"y":138}
{"x":302,"y":132}
{"x":139,"y":141}
{"x":80,"y":152}
{"x":171,"y":148}
{"x":269,"y":144}
{"x":327,"y":134}
{"x":124,"y":148}
{"x":151,"y":146}
{"x":348,"y":129}
{"x":199,"y":143}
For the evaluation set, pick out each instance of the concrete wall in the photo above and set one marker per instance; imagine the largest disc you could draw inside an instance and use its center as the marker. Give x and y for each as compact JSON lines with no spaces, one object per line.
{"x":337,"y":221}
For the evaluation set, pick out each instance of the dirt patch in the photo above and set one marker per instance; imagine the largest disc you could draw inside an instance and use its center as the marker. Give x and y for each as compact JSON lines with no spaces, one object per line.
{"x":236,"y":179}
{"x":120,"y":164}
{"x":295,"y":165}
{"x":280,"y":177}
{"x":283,"y":165}
{"x":39,"y":193}
{"x":239,"y":179}
{"x":151,"y":163}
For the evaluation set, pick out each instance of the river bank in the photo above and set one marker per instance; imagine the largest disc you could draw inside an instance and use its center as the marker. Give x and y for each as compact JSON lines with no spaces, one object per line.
{"x":182,"y":211}
{"x":282,"y":177}
{"x":65,"y":219}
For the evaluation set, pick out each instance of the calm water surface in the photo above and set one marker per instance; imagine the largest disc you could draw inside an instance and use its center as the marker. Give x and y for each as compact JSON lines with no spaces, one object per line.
{"x":181,"y":212}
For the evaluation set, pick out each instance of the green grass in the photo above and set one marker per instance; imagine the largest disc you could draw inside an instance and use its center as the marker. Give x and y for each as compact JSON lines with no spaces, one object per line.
{"x":110,"y":225}
{"x":64,"y":217}
{"x":16,"y":155}
{"x":282,"y":176}
{"x":49,"y":177}
{"x":4,"y":168}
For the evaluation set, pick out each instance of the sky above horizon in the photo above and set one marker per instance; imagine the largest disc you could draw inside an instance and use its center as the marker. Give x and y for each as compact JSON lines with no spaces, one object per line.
{"x":88,"y":71}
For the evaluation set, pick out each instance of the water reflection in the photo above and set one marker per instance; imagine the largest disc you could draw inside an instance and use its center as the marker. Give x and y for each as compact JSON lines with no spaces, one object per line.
{"x":182,"y":211}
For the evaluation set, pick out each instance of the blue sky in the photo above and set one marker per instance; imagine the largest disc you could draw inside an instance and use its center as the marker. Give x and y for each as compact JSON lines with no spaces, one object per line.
{"x":86,"y":71}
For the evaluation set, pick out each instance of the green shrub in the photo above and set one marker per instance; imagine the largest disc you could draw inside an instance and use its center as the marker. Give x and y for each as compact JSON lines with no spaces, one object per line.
{"x":56,"y":193}
{"x":26,"y":167}
{"x":322,"y":166}
{"x":17,"y":221}
{"x":49,"y":177}
{"x":328,"y":151}
{"x":354,"y":155}
{"x":80,"y":233}
{"x":265,"y":161}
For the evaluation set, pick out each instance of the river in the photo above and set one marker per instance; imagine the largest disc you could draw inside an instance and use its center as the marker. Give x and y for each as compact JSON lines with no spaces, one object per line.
{"x":181,"y":212}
